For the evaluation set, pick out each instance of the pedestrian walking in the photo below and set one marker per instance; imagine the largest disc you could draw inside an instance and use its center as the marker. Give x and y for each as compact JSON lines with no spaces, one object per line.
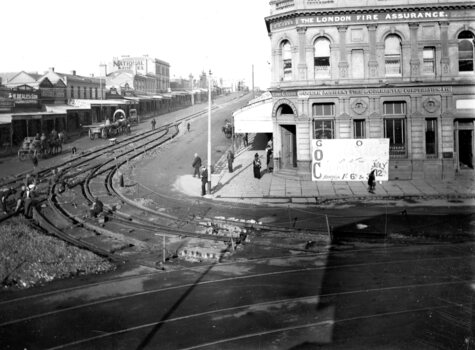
{"x":256,"y":165}
{"x":270,"y":162}
{"x":153,"y":123}
{"x":35,"y":162}
{"x":196,"y":165}
{"x":269,"y":152}
{"x":188,"y":126}
{"x":204,"y":180}
{"x":372,"y":181}
{"x":245,"y":140}
{"x":230,"y":158}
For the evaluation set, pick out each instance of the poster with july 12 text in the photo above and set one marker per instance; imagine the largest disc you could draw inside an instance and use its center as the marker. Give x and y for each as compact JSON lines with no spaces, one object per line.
{"x":349,"y":159}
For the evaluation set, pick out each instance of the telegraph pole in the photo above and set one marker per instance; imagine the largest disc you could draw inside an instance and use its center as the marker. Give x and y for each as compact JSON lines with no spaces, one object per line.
{"x":209,"y":133}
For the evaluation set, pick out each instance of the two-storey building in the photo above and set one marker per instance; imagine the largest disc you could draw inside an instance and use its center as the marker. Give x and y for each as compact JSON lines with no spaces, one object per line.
{"x":393,"y":69}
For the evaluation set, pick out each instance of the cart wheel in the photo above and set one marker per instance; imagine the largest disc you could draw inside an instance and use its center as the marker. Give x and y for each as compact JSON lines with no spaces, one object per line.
{"x":22,"y":156}
{"x":91,"y":135}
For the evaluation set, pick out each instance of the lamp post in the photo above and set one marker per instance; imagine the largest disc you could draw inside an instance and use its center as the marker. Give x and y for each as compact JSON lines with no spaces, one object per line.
{"x":209,"y":133}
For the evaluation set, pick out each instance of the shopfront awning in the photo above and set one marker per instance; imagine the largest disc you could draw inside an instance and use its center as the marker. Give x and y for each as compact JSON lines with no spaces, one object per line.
{"x":37,"y":116}
{"x":254,"y":118}
{"x":5,"y":119}
{"x":65,"y":108}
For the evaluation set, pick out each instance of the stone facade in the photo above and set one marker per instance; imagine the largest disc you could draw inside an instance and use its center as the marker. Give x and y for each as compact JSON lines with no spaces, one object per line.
{"x":398,"y":71}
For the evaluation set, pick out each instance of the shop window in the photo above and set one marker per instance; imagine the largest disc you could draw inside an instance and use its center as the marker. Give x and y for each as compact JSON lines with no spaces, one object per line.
{"x":322,"y":58}
{"x":392,"y":55}
{"x":428,"y":55}
{"x":359,"y":129}
{"x":431,"y":138}
{"x":287,"y":61}
{"x":357,"y":64}
{"x":466,"y":51}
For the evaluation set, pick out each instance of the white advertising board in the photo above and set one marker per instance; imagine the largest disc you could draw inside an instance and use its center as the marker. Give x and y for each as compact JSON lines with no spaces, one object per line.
{"x":349,"y":159}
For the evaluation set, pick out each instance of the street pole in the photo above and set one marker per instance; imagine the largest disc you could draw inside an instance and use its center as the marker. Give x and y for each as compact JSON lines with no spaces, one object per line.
{"x":253,"y":82}
{"x":209,"y":133}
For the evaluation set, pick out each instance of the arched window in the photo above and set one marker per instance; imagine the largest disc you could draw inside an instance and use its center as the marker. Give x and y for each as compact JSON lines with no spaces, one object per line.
{"x":466,"y":41}
{"x":287,"y":60}
{"x":322,"y":57}
{"x":392,"y":55}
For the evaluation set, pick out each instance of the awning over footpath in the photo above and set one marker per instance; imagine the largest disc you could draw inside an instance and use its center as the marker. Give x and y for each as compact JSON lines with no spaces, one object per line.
{"x":5,"y":119}
{"x":254,"y":118}
{"x":113,"y":103}
{"x":32,"y":116}
{"x":65,"y":108}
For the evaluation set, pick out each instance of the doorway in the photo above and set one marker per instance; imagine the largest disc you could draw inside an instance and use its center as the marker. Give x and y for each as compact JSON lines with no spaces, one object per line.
{"x":465,"y":150}
{"x":289,"y":146}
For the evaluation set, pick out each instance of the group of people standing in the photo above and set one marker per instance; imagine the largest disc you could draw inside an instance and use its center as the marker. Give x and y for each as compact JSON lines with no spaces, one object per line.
{"x":200,"y":171}
{"x":256,"y":163}
{"x":24,"y":197}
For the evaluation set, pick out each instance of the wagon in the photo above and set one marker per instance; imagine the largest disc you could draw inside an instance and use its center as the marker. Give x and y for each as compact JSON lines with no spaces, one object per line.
{"x":25,"y":151}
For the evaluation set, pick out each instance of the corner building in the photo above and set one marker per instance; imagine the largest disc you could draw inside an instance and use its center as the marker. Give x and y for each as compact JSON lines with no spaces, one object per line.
{"x":375,"y":69}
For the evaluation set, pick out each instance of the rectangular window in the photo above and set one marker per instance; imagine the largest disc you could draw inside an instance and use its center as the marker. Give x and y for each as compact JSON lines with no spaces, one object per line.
{"x":395,"y":128}
{"x":357,"y":64}
{"x":323,"y":109}
{"x":323,"y":129}
{"x":394,"y":108}
{"x":431,"y":138}
{"x":72,"y":91}
{"x":429,"y":60}
{"x":359,"y":129}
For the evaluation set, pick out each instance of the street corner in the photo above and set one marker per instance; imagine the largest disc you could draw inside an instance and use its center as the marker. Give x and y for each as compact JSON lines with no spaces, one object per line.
{"x":188,"y":185}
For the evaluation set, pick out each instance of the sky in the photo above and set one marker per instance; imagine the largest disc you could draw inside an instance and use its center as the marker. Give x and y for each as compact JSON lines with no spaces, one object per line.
{"x":228,"y":37}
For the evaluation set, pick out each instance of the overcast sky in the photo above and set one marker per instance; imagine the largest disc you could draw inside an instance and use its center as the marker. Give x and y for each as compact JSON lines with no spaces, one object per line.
{"x":226,"y":36}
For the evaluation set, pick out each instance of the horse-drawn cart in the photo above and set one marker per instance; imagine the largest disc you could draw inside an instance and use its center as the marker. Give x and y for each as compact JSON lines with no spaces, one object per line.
{"x":106,"y":130}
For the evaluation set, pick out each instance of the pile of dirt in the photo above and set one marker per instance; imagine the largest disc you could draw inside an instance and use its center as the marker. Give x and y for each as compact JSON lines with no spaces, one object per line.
{"x":29,"y":257}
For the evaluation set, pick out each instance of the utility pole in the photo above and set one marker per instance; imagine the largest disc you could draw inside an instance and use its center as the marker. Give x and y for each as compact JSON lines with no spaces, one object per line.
{"x":253,"y":82}
{"x":209,"y":133}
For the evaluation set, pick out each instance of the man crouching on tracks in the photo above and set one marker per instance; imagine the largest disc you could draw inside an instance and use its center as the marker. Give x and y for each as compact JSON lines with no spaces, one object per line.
{"x":96,"y":208}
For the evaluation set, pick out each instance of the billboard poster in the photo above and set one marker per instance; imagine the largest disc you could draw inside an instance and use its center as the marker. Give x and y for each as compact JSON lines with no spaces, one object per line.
{"x":349,"y":159}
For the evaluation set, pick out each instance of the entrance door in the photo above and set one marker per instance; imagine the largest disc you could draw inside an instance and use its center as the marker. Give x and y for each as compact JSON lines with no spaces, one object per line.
{"x":289,"y":146}
{"x":465,"y":149}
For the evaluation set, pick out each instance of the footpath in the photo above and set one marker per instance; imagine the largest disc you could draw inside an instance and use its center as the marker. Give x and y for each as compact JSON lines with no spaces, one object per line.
{"x":288,"y":188}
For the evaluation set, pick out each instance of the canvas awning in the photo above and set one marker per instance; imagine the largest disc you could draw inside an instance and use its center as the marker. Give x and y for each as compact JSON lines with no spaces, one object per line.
{"x":65,"y":108}
{"x":5,"y":119}
{"x":254,"y":118}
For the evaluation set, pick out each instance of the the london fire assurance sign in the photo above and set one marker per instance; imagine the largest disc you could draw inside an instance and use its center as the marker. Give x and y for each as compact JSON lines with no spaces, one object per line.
{"x":349,"y":159}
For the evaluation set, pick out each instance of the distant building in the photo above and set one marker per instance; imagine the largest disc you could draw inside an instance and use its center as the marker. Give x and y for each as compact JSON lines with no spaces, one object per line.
{"x":153,"y":74}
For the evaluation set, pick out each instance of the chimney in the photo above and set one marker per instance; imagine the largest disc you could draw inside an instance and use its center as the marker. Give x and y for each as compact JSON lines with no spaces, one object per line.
{"x":51,"y":69}
{"x":73,"y":72}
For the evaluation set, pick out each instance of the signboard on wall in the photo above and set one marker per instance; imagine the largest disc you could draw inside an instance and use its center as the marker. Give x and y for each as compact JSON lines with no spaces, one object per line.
{"x":349,"y":159}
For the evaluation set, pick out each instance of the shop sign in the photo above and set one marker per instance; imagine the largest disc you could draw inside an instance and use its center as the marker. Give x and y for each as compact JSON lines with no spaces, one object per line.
{"x":375,"y":91}
{"x":378,"y":17}
{"x":53,"y":92}
{"x":349,"y":159}
{"x":6,"y":105}
{"x":24,"y":95}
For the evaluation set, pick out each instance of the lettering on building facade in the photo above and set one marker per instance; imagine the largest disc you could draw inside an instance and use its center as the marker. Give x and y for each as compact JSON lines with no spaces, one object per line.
{"x":378,"y":18}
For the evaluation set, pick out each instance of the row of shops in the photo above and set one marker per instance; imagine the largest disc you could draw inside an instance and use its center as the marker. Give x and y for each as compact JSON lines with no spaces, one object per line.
{"x":18,"y":121}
